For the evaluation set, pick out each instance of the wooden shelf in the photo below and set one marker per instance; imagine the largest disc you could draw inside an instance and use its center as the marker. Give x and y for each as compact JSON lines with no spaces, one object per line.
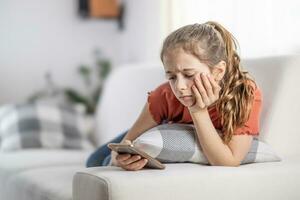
{"x":102,"y":9}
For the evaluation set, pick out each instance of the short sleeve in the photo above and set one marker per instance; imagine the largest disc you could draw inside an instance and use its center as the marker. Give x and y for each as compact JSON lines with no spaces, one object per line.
{"x":158,"y":103}
{"x":251,"y":127}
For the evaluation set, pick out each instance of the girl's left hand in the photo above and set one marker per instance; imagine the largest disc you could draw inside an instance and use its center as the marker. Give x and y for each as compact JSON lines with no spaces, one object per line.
{"x":206,"y":91}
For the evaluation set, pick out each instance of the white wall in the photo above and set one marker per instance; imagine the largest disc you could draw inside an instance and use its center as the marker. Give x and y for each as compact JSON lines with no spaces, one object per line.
{"x":36,"y":36}
{"x":141,"y":41}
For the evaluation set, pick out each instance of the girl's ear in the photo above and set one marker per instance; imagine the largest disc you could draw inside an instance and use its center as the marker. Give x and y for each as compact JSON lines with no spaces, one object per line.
{"x":218,"y":71}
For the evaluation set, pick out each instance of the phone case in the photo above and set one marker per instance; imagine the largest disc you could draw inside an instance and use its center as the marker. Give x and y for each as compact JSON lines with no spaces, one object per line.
{"x":129,"y":148}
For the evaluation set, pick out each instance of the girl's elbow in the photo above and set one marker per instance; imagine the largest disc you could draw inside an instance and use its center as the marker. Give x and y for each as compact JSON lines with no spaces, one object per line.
{"x":226,"y":164}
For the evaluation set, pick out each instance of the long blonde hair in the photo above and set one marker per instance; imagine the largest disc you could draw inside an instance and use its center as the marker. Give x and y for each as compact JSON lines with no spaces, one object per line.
{"x":211,"y":43}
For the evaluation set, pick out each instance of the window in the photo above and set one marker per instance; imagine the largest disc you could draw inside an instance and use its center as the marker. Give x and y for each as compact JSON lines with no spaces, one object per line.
{"x":262,"y":27}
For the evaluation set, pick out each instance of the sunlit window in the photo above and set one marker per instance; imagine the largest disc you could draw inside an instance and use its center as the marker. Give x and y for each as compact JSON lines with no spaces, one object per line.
{"x":262,"y":27}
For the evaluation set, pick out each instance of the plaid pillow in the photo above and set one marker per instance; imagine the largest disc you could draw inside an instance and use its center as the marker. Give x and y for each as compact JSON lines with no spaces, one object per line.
{"x":40,"y":125}
{"x":170,"y":143}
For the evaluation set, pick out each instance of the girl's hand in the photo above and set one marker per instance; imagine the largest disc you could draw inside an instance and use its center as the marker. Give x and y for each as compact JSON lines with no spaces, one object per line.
{"x":206,"y":91}
{"x":128,"y":161}
{"x":131,"y":162}
{"x":114,"y":161}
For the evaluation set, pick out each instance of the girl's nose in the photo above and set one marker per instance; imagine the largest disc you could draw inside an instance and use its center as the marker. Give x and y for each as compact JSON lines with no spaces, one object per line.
{"x":181,"y":84}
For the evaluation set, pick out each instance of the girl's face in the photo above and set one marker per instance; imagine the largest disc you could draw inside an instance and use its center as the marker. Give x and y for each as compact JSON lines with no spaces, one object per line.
{"x":180,"y":69}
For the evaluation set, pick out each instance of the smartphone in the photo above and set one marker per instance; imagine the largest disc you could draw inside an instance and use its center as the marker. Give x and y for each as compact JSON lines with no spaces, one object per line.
{"x":129,"y":148}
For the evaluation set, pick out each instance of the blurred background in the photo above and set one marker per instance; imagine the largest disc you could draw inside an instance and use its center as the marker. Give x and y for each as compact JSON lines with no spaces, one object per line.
{"x":69,"y":46}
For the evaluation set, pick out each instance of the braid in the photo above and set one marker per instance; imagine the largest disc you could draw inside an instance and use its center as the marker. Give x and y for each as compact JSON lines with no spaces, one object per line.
{"x":237,"y":94}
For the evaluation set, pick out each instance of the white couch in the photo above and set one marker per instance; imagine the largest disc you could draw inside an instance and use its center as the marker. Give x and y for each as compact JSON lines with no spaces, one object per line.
{"x":61,"y":174}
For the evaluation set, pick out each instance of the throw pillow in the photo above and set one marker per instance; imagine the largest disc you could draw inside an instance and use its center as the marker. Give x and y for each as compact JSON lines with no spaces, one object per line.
{"x":171,"y":143}
{"x":42,"y":125}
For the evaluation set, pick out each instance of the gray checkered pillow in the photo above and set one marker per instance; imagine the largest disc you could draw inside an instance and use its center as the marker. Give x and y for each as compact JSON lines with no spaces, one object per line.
{"x":171,"y":143}
{"x":40,"y":125}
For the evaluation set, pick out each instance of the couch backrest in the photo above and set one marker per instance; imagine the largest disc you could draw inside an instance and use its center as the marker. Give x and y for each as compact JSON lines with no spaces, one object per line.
{"x":278,"y":77}
{"x":125,"y":94}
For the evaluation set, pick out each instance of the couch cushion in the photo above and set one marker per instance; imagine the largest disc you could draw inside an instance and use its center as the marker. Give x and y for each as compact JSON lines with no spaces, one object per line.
{"x":265,"y":181}
{"x":51,"y":183}
{"x":13,"y":163}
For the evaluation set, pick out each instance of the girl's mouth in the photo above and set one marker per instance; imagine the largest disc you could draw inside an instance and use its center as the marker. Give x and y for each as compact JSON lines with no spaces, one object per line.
{"x":186,"y":98}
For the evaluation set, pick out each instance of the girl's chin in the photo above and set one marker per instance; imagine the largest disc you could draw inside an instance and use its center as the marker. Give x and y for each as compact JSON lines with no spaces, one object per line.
{"x":188,"y":103}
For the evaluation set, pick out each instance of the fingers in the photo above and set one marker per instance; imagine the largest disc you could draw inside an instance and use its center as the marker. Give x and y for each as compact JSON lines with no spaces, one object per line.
{"x":131,"y":162}
{"x":206,"y":90}
{"x":122,"y":157}
{"x":199,"y":100}
{"x":127,"y":142}
{"x":216,"y":87}
{"x":207,"y":85}
{"x":137,"y":165}
{"x":126,"y":159}
{"x":202,"y":91}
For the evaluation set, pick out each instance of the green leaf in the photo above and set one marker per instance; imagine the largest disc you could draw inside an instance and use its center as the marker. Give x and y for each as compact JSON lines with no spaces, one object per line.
{"x":84,"y":70}
{"x":76,"y":97}
{"x":104,"y":67}
{"x":96,"y":94}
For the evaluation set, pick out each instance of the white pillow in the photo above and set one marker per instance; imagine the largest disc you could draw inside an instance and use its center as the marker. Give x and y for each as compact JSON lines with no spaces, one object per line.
{"x":171,"y":143}
{"x":40,"y":125}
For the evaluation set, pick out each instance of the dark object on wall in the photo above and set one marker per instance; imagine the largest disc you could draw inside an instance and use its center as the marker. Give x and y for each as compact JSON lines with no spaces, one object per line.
{"x":83,"y":8}
{"x":102,"y":9}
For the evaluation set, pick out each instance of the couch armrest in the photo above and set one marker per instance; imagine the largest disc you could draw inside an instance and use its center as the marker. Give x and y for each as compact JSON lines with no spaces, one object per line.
{"x":87,"y":185}
{"x":111,"y":182}
{"x":190,"y":181}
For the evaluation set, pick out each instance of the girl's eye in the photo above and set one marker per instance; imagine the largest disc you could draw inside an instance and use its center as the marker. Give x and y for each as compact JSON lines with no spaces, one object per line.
{"x":189,"y":76}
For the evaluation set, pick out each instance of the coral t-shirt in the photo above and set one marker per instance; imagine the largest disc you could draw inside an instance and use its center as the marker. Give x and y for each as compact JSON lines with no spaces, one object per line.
{"x":165,"y":107}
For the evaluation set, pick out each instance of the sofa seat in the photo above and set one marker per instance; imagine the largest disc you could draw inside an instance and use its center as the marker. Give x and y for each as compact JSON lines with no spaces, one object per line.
{"x":51,"y":183}
{"x":273,"y":180}
{"x":19,"y":167}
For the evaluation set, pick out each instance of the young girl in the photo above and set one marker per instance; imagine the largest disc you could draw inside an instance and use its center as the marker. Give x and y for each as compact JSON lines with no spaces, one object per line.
{"x":207,"y":87}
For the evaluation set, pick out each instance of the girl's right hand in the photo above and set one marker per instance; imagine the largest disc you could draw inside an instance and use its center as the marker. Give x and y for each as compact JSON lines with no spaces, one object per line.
{"x":131,"y":162}
{"x":128,"y":161}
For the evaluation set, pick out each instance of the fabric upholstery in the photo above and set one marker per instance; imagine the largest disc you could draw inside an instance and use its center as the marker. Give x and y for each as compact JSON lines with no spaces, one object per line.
{"x":35,"y":125}
{"x":170,"y":143}
{"x":259,"y":181}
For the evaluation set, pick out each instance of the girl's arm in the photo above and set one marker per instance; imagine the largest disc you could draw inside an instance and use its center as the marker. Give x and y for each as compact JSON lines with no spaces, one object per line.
{"x":143,"y":123}
{"x":216,"y":151}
